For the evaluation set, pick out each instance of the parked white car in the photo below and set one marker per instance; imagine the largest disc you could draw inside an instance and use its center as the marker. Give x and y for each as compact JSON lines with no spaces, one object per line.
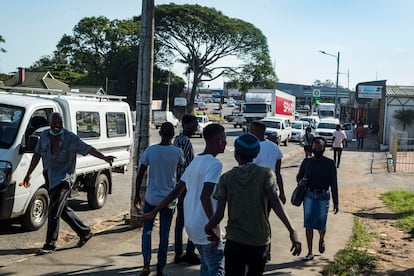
{"x":203,"y":121}
{"x":326,"y":128}
{"x":298,"y":130}
{"x":278,"y":129}
{"x":312,"y":120}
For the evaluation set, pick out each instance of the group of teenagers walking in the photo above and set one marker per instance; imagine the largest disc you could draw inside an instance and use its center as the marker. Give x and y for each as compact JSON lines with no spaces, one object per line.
{"x":196,"y":187}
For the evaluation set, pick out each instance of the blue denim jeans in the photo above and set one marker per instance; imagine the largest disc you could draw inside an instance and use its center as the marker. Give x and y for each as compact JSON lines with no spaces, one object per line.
{"x":166,"y":216}
{"x":212,"y":259}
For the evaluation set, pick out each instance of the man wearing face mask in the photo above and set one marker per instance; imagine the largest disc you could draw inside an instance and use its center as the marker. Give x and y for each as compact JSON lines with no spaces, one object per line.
{"x":318,"y":174}
{"x":58,"y":148}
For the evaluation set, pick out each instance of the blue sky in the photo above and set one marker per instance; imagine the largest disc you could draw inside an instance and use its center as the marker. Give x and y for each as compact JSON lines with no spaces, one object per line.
{"x":374,"y":37}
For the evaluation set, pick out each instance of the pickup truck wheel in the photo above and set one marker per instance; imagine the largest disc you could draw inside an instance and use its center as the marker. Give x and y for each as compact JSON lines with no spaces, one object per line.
{"x":98,"y":194}
{"x":37,"y":211}
{"x":286,"y":143}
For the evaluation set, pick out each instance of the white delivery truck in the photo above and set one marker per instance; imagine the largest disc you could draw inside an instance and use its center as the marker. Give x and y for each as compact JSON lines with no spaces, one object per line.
{"x":261,"y":103}
{"x":159,"y":117}
{"x":101,"y":121}
{"x":325,"y":110}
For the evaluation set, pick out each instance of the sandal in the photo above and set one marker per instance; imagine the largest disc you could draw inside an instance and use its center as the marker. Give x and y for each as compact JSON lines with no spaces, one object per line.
{"x":83,"y":240}
{"x":308,"y":258}
{"x":322,"y":247}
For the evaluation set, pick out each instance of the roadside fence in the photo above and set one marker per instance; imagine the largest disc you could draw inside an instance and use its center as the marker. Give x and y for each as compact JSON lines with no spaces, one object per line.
{"x":402,"y":152}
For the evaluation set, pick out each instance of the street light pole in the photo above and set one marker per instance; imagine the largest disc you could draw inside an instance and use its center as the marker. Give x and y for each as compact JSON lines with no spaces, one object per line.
{"x":168,"y":90}
{"x":337,"y":77}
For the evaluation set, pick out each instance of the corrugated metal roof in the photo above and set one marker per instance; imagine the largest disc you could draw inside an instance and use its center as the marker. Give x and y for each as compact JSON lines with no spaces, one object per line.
{"x":399,"y":91}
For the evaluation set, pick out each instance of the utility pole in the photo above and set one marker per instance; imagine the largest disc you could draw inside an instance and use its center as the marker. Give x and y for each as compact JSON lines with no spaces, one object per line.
{"x":144,"y":98}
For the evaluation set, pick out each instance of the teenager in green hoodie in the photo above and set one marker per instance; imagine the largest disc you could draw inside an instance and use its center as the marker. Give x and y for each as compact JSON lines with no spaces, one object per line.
{"x":248,"y":189}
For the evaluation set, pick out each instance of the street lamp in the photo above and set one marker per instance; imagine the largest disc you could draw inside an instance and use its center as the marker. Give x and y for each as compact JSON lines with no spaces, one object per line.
{"x":337,"y":76}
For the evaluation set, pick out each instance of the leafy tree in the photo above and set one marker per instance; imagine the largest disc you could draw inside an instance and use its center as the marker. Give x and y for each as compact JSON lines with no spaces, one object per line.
{"x":96,"y":45}
{"x":326,"y":83}
{"x":59,"y":68}
{"x":2,"y":40}
{"x":404,"y":117}
{"x":201,"y":36}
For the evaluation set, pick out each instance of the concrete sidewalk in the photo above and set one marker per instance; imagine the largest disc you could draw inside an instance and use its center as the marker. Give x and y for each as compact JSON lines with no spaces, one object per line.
{"x":117,"y":250}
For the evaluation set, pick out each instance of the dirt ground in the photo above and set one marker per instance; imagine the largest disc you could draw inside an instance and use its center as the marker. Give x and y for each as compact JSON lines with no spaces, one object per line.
{"x":392,"y":247}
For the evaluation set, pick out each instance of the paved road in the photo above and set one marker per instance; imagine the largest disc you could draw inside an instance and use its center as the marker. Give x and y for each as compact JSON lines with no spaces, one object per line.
{"x":15,"y":243}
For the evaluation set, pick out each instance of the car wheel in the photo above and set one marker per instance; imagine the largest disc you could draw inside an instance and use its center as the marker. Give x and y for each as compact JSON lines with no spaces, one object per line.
{"x":37,"y":211}
{"x":286,"y":143}
{"x":98,"y":194}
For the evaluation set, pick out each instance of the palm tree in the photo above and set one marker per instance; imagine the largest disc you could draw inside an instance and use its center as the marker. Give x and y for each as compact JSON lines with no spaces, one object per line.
{"x":404,"y":117}
{"x":2,"y":41}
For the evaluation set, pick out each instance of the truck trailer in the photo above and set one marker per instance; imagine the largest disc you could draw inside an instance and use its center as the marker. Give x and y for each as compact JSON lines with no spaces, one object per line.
{"x":261,"y":103}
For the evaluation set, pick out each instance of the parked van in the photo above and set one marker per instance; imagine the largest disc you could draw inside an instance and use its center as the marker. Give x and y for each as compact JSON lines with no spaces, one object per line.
{"x":101,"y":121}
{"x":159,"y":117}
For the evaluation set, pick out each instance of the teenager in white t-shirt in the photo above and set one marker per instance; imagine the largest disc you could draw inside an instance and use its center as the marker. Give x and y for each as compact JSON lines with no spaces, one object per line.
{"x":270,"y":155}
{"x":339,"y":138}
{"x":200,"y":180}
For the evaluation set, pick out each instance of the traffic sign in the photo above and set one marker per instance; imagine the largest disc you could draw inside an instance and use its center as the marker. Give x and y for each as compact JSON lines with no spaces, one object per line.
{"x":316,"y":93}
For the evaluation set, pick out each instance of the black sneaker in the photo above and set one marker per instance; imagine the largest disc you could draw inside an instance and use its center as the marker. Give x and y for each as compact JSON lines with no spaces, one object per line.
{"x":83,"y":240}
{"x":191,"y":259}
{"x":178,"y":259}
{"x":46,"y":250}
{"x":146,"y":270}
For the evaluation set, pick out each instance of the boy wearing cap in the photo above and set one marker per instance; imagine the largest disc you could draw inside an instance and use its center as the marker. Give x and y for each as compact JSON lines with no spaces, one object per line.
{"x":248,"y":189}
{"x":199,"y":181}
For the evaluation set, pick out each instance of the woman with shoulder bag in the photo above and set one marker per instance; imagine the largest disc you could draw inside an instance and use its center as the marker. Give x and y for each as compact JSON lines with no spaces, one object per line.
{"x":318,"y":175}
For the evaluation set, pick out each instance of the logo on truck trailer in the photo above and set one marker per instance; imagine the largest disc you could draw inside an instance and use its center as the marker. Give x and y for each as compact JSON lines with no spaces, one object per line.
{"x":284,"y":105}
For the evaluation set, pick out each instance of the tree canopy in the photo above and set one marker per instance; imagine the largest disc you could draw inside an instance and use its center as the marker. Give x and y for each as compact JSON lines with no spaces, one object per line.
{"x":201,"y":36}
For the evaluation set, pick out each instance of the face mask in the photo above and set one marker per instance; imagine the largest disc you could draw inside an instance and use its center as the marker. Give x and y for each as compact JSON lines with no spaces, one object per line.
{"x":55,"y":134}
{"x":318,"y":153}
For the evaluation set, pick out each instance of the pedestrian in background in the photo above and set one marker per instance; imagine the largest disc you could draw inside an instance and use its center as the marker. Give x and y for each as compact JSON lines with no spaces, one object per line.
{"x":58,"y":147}
{"x":318,"y":174}
{"x":200,"y":180}
{"x":162,"y":160}
{"x":339,"y":138}
{"x":307,"y":140}
{"x":360,"y":136}
{"x":248,"y":189}
{"x":190,"y":124}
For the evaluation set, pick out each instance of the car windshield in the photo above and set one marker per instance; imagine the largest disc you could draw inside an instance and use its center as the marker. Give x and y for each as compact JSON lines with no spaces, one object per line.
{"x":272,"y":124}
{"x":327,"y":125}
{"x":253,"y":108}
{"x":10,"y":119}
{"x":297,"y":125}
{"x":199,"y":119}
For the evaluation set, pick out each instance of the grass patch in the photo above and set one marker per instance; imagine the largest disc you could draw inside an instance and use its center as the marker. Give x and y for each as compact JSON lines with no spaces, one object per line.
{"x":402,"y":203}
{"x":354,"y":259}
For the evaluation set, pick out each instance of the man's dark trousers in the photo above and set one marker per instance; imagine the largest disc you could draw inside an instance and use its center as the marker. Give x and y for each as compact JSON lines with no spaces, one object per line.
{"x":59,"y":208}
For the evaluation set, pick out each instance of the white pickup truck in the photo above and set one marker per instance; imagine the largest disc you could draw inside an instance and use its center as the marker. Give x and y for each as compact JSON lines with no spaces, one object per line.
{"x":100,"y":120}
{"x":203,"y":121}
{"x":278,"y":129}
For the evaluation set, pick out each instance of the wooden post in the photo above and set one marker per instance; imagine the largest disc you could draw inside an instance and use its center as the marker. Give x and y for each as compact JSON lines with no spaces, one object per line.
{"x":144,"y":98}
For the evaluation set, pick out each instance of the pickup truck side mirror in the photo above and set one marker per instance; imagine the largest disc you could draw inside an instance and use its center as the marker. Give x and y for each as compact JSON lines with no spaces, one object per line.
{"x":31,"y":144}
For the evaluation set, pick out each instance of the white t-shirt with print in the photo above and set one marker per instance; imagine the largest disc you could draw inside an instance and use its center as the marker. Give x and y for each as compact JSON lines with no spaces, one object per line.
{"x":203,"y":168}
